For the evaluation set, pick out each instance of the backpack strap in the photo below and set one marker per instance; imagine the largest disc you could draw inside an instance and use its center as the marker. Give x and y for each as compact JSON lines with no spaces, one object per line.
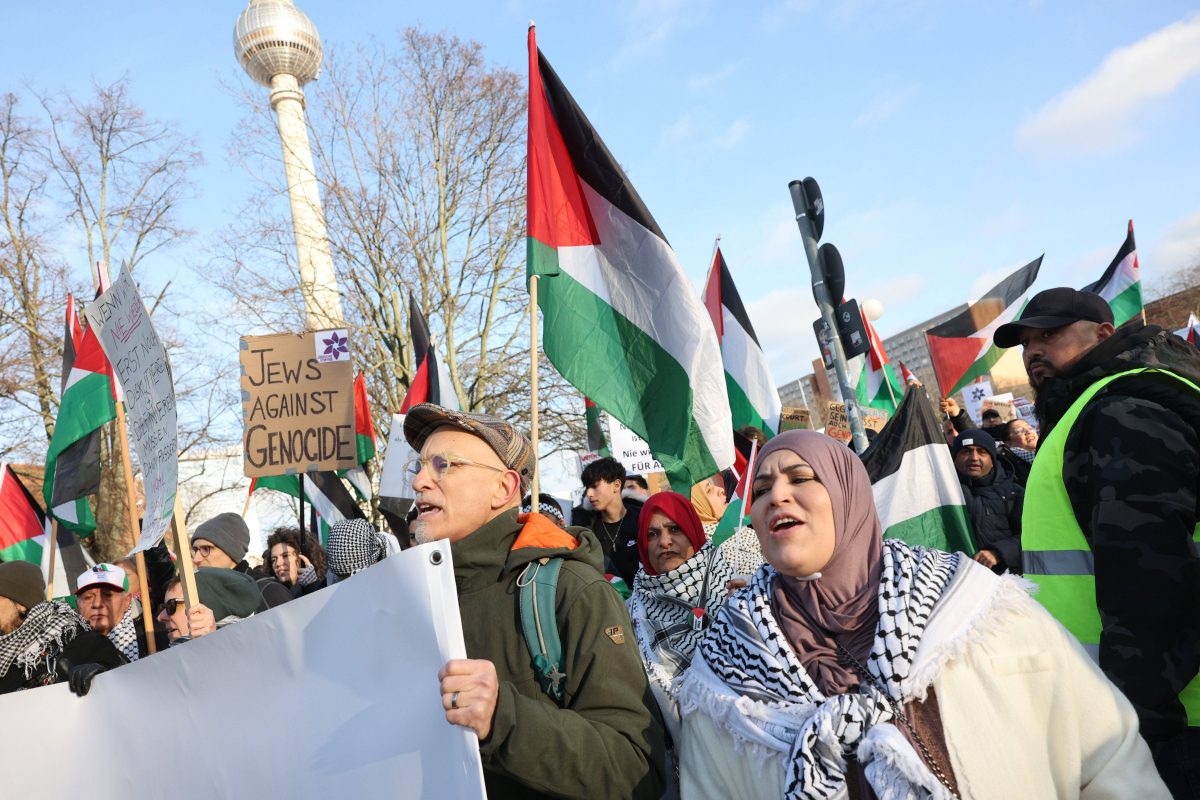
{"x":537,"y":585}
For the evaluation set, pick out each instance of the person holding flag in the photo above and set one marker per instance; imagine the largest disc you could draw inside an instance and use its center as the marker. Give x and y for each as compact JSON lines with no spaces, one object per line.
{"x":1109,"y":530}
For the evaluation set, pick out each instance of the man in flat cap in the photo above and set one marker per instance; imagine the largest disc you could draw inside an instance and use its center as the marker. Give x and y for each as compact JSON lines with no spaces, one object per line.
{"x":1110,"y":518}
{"x":600,"y":737}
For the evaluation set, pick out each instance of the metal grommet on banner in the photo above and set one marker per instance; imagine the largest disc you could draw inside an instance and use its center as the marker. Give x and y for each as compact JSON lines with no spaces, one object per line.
{"x":435,"y":557}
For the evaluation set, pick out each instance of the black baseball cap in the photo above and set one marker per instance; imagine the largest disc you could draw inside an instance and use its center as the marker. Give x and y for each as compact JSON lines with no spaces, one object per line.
{"x":1054,"y":308}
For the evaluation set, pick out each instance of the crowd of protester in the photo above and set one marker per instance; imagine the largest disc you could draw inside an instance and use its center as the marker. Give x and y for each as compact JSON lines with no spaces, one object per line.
{"x":647,"y":644}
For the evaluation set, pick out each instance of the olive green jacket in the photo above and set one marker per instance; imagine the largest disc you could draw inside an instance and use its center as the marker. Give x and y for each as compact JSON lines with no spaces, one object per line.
{"x":607,"y":738}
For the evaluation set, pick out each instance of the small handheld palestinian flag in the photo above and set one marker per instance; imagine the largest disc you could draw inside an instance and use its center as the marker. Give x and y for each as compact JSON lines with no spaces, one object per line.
{"x":877,"y":385}
{"x":1121,"y":283}
{"x":907,"y":375}
{"x":364,"y":429}
{"x":618,"y":583}
{"x":737,"y":513}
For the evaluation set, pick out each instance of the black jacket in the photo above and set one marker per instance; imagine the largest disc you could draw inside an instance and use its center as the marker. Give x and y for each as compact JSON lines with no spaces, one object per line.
{"x":619,"y":544}
{"x":1131,"y":469}
{"x":994,"y":503}
{"x":88,"y":647}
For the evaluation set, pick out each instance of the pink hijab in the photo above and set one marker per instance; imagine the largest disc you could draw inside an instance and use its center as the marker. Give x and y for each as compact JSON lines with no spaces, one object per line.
{"x":842,"y":604}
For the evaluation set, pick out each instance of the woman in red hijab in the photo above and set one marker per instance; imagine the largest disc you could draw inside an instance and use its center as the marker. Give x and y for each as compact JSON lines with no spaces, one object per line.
{"x":676,"y":593}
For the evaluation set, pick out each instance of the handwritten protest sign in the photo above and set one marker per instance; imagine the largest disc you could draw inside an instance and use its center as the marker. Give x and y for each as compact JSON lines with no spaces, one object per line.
{"x":837,"y":424}
{"x":791,"y":419}
{"x":630,"y":449}
{"x":140,"y":363}
{"x":321,"y":674}
{"x":297,"y":403}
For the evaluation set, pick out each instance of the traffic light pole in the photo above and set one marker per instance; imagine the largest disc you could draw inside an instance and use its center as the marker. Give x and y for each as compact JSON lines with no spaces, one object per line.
{"x":800,"y":202}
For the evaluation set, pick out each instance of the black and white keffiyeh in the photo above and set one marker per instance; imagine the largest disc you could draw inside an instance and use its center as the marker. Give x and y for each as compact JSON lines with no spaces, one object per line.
{"x":47,"y":629}
{"x":746,"y":650}
{"x":124,"y":634}
{"x":671,"y":611}
{"x":354,"y":545}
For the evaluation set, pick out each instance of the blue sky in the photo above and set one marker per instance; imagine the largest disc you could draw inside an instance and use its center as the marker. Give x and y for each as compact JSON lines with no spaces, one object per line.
{"x":953,"y":141}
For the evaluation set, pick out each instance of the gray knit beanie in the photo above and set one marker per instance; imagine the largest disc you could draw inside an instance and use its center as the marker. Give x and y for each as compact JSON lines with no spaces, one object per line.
{"x":22,"y":582}
{"x":228,"y":532}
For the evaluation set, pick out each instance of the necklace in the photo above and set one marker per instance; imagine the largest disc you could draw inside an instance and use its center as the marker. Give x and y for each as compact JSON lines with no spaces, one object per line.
{"x":846,"y":658}
{"x":611,"y":534}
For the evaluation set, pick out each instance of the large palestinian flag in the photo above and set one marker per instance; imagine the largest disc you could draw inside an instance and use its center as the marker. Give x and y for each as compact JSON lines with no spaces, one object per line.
{"x":324,"y":491}
{"x":85,"y":404}
{"x":917,"y":492}
{"x":622,"y":322}
{"x":1121,"y":283}
{"x":878,"y":386}
{"x":25,"y":530}
{"x":961,"y":348}
{"x":753,"y":398}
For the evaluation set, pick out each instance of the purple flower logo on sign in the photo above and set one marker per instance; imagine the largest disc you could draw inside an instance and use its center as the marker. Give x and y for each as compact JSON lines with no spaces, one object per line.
{"x":333,"y":346}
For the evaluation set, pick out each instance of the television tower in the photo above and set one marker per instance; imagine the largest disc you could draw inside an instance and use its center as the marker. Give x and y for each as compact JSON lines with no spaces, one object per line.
{"x":279,"y":47}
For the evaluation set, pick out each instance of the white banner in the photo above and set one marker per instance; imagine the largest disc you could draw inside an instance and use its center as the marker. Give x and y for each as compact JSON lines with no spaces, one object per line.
{"x":331,"y":695}
{"x":140,"y":362}
{"x":393,"y":482}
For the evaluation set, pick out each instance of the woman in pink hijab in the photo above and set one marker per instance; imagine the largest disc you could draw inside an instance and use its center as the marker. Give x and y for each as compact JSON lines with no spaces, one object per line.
{"x":862,"y":668}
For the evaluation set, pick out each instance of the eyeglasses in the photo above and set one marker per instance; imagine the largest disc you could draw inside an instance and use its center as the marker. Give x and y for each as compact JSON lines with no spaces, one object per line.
{"x":439,"y":464}
{"x":203,"y":549}
{"x":170,"y":606}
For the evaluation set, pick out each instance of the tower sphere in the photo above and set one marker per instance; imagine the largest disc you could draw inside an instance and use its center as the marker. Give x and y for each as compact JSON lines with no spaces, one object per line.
{"x":273,"y":37}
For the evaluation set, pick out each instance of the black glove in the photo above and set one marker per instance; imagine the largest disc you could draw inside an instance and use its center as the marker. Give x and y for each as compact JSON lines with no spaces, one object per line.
{"x":80,"y":677}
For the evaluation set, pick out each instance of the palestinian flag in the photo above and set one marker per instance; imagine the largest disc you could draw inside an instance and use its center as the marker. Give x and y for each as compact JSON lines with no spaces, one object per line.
{"x":1190,"y":333}
{"x":753,"y":398}
{"x":961,"y":348}
{"x":85,"y":404}
{"x":622,"y":323}
{"x":25,"y":530}
{"x":324,"y":491}
{"x":425,"y":385}
{"x":737,"y":512}
{"x":907,"y":376}
{"x":596,"y":442}
{"x":1121,"y":283}
{"x":916,"y":489}
{"x":364,"y":430}
{"x":877,"y":384}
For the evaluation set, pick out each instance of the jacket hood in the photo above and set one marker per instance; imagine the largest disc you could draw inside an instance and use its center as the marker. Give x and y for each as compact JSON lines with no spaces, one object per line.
{"x":509,"y":542}
{"x":1133,"y":345}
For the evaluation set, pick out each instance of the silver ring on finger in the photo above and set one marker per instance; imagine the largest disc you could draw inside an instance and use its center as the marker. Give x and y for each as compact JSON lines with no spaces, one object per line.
{"x":454,"y":700}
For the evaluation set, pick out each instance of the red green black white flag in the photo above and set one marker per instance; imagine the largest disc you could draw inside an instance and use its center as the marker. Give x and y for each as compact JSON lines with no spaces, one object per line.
{"x":1121,"y":283}
{"x":622,"y":323}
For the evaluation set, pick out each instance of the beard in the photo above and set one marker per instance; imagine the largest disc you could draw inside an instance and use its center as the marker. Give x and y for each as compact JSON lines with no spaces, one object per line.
{"x":422,"y":534}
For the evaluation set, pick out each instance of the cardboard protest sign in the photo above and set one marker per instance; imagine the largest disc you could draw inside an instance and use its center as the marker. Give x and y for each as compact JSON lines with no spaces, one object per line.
{"x":321,"y":674}
{"x":791,"y":419}
{"x":1002,"y":403}
{"x":837,"y":423}
{"x":140,"y":362}
{"x":297,"y":403}
{"x":630,"y":449}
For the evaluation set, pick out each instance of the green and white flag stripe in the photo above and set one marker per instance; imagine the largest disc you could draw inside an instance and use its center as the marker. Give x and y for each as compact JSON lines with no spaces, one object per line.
{"x":917,"y":492}
{"x":622,"y":323}
{"x":753,"y":397}
{"x":1121,"y":283}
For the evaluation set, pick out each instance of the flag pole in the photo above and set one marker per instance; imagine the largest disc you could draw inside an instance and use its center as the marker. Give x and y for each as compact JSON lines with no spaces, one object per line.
{"x":533,"y":380}
{"x":749,"y":488}
{"x":53,"y":552}
{"x":183,"y":552}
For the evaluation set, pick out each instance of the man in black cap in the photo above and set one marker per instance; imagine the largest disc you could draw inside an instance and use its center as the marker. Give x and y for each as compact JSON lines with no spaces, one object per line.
{"x":1110,"y":520}
{"x":577,"y":721}
{"x":993,"y":500}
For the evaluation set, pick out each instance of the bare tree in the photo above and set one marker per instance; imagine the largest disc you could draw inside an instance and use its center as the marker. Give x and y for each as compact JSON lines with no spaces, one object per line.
{"x":32,"y":287}
{"x":421,"y":155}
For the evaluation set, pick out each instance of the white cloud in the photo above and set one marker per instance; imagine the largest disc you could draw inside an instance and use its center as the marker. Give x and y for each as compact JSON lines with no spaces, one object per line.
{"x":884,"y":107}
{"x":1179,"y":246}
{"x":779,"y":242}
{"x":699,"y":83}
{"x":893,"y":291}
{"x":678,"y":131}
{"x":783,"y":321}
{"x":1102,"y":113}
{"x":732,"y":135}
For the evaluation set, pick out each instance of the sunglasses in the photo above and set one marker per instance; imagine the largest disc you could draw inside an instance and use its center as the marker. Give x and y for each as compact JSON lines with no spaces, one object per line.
{"x":170,"y":606}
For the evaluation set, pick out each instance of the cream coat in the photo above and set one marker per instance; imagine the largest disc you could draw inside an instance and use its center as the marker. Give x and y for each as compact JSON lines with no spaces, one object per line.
{"x":1025,"y":712}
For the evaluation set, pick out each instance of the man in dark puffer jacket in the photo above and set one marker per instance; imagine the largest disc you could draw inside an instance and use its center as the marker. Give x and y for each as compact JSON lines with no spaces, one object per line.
{"x":993,"y":500}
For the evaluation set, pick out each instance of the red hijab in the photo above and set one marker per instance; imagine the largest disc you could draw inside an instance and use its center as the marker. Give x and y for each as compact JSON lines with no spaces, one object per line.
{"x":680,"y":511}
